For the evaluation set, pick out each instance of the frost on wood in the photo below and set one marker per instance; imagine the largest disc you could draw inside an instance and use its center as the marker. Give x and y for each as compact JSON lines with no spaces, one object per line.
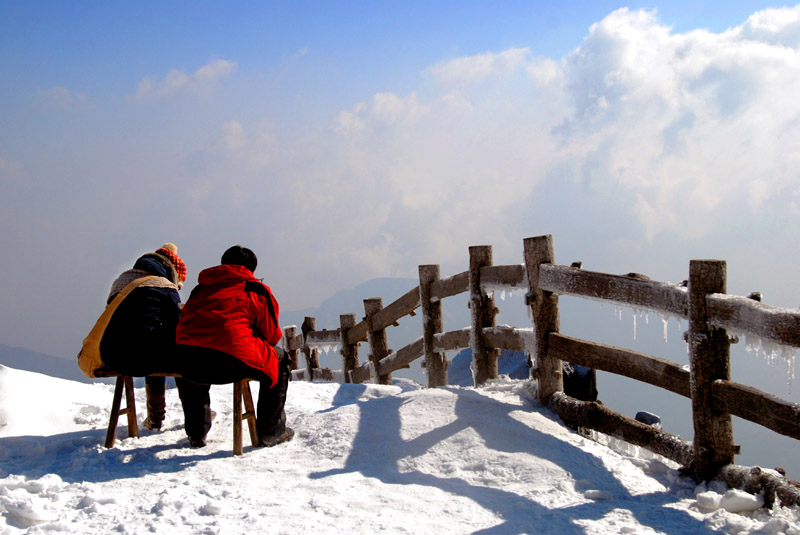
{"x":624,"y":290}
{"x":767,"y":331}
{"x":778,"y":325}
{"x":768,"y":483}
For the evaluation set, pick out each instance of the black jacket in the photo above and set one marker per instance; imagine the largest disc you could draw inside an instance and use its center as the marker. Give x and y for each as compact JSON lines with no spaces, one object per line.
{"x":140,"y":337}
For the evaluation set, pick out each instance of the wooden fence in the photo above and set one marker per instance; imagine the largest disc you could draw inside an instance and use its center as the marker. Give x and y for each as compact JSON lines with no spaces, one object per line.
{"x":711,"y":314}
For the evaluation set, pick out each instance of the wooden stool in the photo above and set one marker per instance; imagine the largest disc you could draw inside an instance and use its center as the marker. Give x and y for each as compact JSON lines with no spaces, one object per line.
{"x":241,"y":393}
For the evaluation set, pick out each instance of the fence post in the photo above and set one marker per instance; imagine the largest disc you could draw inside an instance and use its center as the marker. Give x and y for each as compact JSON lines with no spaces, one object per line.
{"x":483,"y":311}
{"x":379,"y":346}
{"x":312,"y":355}
{"x":544,"y":309}
{"x":435,"y":362}
{"x":709,"y":359}
{"x":349,"y":351}
{"x":288,"y":337}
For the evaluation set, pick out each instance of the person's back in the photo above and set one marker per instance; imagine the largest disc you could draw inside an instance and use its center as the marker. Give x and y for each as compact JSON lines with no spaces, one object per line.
{"x":140,"y":337}
{"x":232,"y":312}
{"x":227,"y":333}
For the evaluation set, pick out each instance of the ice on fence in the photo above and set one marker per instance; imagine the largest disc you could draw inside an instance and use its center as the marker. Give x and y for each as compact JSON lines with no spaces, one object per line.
{"x":326,"y":341}
{"x":325,"y":347}
{"x":494,"y":289}
{"x":773,"y":353}
{"x":619,"y":312}
{"x":373,"y":372}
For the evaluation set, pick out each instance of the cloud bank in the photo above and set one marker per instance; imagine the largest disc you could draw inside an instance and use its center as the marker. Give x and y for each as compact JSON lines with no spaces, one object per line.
{"x":640,"y":149}
{"x":682,"y":133}
{"x":176,"y":81}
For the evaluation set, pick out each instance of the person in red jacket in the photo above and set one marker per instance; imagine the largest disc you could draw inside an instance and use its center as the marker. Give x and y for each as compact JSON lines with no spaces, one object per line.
{"x":228,"y":332}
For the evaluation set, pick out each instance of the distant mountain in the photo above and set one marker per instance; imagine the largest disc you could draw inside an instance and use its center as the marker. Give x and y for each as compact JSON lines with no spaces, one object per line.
{"x":20,"y":358}
{"x":349,"y":302}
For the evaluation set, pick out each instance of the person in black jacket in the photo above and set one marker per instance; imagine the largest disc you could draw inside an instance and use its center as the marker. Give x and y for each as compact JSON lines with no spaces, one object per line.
{"x":140,"y":337}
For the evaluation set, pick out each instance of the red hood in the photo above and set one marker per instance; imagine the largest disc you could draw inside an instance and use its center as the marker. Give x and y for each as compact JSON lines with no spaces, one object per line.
{"x":225,"y":274}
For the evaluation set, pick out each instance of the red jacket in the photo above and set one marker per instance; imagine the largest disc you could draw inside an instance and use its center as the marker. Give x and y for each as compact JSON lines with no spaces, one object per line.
{"x":233,"y":312}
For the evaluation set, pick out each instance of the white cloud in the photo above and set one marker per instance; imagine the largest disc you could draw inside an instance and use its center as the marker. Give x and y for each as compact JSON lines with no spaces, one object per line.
{"x":693,"y":124}
{"x":61,"y":98}
{"x":481,"y":66}
{"x":176,"y":81}
{"x":773,"y":26}
{"x":683,"y":133}
{"x":641,"y":130}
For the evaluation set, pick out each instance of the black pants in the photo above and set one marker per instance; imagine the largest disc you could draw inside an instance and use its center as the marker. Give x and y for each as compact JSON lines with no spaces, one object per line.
{"x":202,"y":367}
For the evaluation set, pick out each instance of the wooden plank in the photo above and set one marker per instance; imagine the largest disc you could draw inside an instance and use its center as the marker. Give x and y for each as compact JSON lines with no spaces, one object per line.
{"x":402,"y":306}
{"x":757,"y":406}
{"x":392,"y":362}
{"x":322,"y":374}
{"x":450,"y":286}
{"x":623,"y":289}
{"x":595,"y":416}
{"x":639,"y":366}
{"x":402,"y":358}
{"x":358,"y":333}
{"x":299,"y":375}
{"x":757,"y":481}
{"x":360,"y":374}
{"x":509,"y":276}
{"x":509,"y":338}
{"x":741,"y":314}
{"x":324,"y":337}
{"x":452,"y":340}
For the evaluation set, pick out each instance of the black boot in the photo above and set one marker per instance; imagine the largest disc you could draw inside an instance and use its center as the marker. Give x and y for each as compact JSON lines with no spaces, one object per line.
{"x":155,"y":387}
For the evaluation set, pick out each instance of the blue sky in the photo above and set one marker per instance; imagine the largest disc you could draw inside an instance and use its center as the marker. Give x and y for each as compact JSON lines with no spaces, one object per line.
{"x":349,"y":140}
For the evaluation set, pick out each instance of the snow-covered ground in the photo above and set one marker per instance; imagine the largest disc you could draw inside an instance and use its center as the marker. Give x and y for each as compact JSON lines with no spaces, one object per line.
{"x":365,"y":459}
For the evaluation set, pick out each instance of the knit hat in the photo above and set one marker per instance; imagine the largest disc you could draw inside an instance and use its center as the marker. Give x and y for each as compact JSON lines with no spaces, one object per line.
{"x":171,"y":251}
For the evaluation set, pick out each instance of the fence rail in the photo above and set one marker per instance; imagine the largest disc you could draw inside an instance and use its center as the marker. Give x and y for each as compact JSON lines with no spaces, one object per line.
{"x":712,"y":316}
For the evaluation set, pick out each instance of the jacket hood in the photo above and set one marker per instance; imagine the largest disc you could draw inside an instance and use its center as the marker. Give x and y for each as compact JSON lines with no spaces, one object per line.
{"x":225,"y":274}
{"x":156,"y":264}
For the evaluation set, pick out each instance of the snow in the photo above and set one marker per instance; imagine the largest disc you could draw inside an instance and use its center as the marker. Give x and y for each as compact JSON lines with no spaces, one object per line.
{"x":365,"y":459}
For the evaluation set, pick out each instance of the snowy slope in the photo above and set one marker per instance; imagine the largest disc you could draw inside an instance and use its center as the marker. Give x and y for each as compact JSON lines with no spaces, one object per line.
{"x":366,"y":459}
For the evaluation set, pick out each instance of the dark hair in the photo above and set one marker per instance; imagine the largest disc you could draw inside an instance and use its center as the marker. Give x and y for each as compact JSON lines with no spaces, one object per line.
{"x":240,"y":256}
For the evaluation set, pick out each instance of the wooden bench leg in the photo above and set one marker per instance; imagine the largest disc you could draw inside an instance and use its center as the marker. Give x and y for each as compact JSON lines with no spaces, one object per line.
{"x":237,"y":418}
{"x":124,"y":383}
{"x":241,"y":393}
{"x":111,"y":434}
{"x":249,"y":412}
{"x":130,"y":410}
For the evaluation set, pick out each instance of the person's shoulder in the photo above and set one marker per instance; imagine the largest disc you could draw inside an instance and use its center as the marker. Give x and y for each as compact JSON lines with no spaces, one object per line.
{"x":257,"y":287}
